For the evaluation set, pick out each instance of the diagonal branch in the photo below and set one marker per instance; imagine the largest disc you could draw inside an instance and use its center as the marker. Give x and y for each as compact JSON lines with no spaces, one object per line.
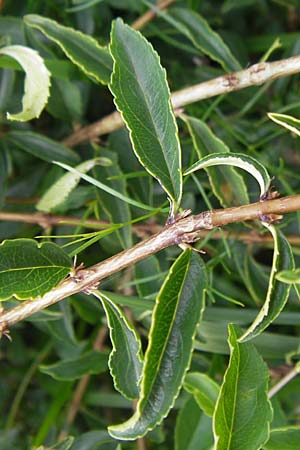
{"x":182,"y":231}
{"x":253,"y":76}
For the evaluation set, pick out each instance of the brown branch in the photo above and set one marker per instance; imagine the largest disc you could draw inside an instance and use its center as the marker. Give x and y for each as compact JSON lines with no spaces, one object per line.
{"x":183,"y":230}
{"x":253,"y":76}
{"x":150,"y":14}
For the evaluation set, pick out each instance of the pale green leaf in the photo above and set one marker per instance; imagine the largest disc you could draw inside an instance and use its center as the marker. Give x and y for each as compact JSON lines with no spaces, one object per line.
{"x":142,"y":96}
{"x":289,"y":122}
{"x":204,"y":389}
{"x":278,"y":292}
{"x":28,"y":269}
{"x":62,"y":188}
{"x":243,"y":412}
{"x":42,"y":147}
{"x":91,"y":362}
{"x":176,"y":315}
{"x":227,"y":185}
{"x":37,"y":81}
{"x":289,"y":276}
{"x":125,"y":361}
{"x":285,"y":438}
{"x":193,"y":429}
{"x":81,"y":49}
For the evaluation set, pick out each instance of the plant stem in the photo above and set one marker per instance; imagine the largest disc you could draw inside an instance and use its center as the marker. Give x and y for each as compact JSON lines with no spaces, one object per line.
{"x":253,"y":76}
{"x":285,"y":380}
{"x":150,"y":15}
{"x":182,"y":231}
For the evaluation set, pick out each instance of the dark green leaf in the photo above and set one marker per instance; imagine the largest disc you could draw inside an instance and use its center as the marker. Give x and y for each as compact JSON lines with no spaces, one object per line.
{"x":142,"y":96}
{"x":28,"y":269}
{"x":94,"y":440}
{"x":243,"y":412}
{"x":176,"y":315}
{"x":204,"y":389}
{"x":125,"y":360}
{"x":42,"y":147}
{"x":83,"y":50}
{"x":287,"y":438}
{"x":91,"y":362}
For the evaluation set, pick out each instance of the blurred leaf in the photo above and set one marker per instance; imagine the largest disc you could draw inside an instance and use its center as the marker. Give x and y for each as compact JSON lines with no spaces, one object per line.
{"x":243,"y":411}
{"x":227,"y":185}
{"x":65,"y":101}
{"x":37,"y":81}
{"x":83,"y":50}
{"x":142,"y":96}
{"x":126,"y":359}
{"x":204,"y":390}
{"x":63,"y":445}
{"x":28,"y":269}
{"x":148,"y":276}
{"x":91,"y":362}
{"x":94,"y":440}
{"x":81,"y":5}
{"x":289,"y":122}
{"x":177,"y":312}
{"x":193,"y":429}
{"x":289,"y":276}
{"x":62,"y":188}
{"x":286,"y":438}
{"x":42,"y":147}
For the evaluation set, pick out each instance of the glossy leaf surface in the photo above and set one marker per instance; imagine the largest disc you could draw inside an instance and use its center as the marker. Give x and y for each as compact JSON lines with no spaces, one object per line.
{"x":204,"y":390}
{"x":286,"y":438}
{"x":142,"y":96}
{"x":243,"y":412}
{"x":83,"y":50}
{"x":125,"y":360}
{"x":37,"y":81}
{"x":28,"y":269}
{"x":176,"y":316}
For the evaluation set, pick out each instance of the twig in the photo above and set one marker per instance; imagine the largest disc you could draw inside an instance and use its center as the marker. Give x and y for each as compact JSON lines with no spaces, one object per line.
{"x":253,"y":76}
{"x":285,"y":380}
{"x":141,"y":229}
{"x":182,"y":231}
{"x":150,"y":14}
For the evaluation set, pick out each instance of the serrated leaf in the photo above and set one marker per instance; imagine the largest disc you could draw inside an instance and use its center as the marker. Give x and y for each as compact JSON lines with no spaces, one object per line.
{"x":245,"y":162}
{"x":204,"y":389}
{"x":62,"y":188}
{"x":197,"y":29}
{"x":142,"y":96}
{"x":28,"y":269}
{"x":91,"y":362}
{"x":289,"y":276}
{"x":278,"y":292}
{"x":125,"y":361}
{"x":285,"y":438}
{"x":289,"y":122}
{"x":83,"y":50}
{"x":227,"y":185}
{"x":243,"y":412}
{"x":37,"y":81}
{"x":176,"y":315}
{"x":193,"y":429}
{"x":42,"y":147}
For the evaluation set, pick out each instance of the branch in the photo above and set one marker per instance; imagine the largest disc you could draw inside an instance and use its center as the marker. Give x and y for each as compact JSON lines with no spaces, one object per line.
{"x":184,"y":230}
{"x":150,"y":15}
{"x":253,"y":76}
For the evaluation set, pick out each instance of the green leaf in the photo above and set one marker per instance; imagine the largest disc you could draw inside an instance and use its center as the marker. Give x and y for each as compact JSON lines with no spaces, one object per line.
{"x":247,"y":163}
{"x":142,"y":96}
{"x":204,"y":389}
{"x":94,"y":440}
{"x":289,"y":276}
{"x":37,"y":81}
{"x":62,"y":188}
{"x":176,"y":315}
{"x":91,"y":362}
{"x":286,"y":438}
{"x":227,"y":185}
{"x":289,"y":122}
{"x":126,"y":359}
{"x":193,"y":429}
{"x":278,"y":292}
{"x":66,"y":444}
{"x":42,"y":147}
{"x":28,"y":269}
{"x":83,"y":50}
{"x":197,"y":29}
{"x":243,"y":412}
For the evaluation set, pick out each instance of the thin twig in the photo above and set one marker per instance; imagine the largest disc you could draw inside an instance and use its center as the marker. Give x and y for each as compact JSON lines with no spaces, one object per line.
{"x":150,"y":14}
{"x":253,"y":76}
{"x":285,"y":380}
{"x":182,"y":231}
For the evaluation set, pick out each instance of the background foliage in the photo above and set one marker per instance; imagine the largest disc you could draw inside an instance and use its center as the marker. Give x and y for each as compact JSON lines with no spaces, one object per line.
{"x":52,"y":351}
